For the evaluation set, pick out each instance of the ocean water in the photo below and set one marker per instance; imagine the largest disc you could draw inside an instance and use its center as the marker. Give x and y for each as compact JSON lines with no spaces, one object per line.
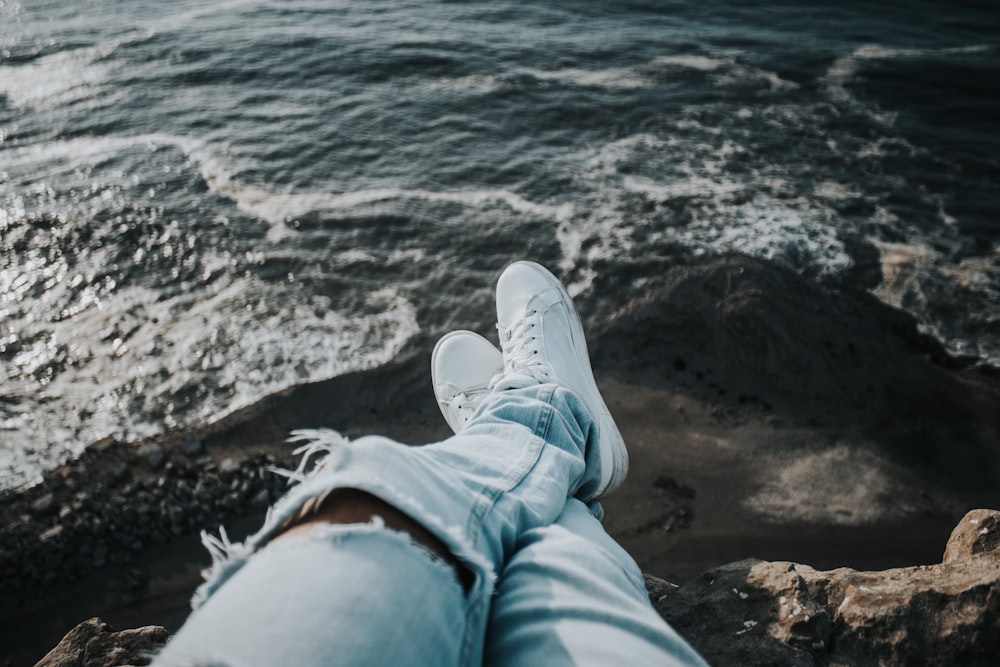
{"x":204,"y":203}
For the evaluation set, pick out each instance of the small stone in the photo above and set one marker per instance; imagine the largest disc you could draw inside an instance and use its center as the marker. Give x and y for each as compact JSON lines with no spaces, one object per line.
{"x":229,"y":465}
{"x":43,"y":504}
{"x":118,"y":470}
{"x":52,"y":533}
{"x":232,"y":501}
{"x":192,"y":446}
{"x":154,"y":454}
{"x":261,"y":499}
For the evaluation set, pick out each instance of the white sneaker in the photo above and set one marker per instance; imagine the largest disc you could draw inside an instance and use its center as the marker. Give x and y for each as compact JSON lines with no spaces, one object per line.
{"x":462,"y":365}
{"x":542,"y":340}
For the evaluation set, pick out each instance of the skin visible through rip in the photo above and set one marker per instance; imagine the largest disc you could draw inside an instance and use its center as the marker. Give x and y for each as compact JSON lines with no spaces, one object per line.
{"x":354,"y":506}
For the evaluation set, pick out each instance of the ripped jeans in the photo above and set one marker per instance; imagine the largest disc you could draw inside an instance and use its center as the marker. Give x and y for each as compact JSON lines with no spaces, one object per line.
{"x":549,"y":586}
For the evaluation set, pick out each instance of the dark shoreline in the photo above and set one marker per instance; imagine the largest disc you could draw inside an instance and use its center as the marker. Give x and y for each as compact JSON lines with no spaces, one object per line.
{"x":721,"y":380}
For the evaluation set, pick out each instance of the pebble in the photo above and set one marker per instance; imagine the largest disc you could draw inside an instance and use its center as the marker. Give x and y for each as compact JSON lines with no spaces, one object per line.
{"x":43,"y":504}
{"x":110,"y":517}
{"x":192,"y":446}
{"x":119,"y":470}
{"x":261,"y":499}
{"x":52,"y":533}
{"x":154,"y":454}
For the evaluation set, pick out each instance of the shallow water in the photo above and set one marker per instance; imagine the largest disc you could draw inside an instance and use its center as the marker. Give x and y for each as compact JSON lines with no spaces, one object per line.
{"x":204,"y":203}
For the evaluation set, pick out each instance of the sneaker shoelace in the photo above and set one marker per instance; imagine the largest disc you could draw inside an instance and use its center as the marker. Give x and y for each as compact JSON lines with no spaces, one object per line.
{"x":522,"y":365}
{"x":464,"y":400}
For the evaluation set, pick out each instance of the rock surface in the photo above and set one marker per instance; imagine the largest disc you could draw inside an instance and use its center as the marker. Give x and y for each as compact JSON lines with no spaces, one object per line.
{"x":755,"y":612}
{"x":94,"y":643}
{"x":769,"y":613}
{"x":977,"y":533}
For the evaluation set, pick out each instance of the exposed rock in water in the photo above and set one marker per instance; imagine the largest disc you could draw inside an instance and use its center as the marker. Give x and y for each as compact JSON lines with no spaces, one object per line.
{"x":778,"y":613}
{"x":94,"y":643}
{"x":756,"y":613}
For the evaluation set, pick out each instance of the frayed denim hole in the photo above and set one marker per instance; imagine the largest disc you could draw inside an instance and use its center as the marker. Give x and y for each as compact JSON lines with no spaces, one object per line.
{"x":337,"y":533}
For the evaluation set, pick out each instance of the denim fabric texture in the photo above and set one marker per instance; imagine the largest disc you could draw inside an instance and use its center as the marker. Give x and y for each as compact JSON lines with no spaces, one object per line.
{"x":549,"y":585}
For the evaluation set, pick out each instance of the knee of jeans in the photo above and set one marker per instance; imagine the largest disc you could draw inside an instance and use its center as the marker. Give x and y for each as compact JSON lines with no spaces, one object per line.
{"x":474,"y":573}
{"x":327,"y":571}
{"x":471,"y":568}
{"x":373,"y":531}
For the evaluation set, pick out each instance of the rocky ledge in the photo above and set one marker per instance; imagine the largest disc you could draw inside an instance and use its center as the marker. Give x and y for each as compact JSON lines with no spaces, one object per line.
{"x":778,"y":613}
{"x":94,"y":643}
{"x":756,"y":613}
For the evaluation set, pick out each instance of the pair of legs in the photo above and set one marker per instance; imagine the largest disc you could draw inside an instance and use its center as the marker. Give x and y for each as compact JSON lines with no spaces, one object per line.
{"x":481,"y":549}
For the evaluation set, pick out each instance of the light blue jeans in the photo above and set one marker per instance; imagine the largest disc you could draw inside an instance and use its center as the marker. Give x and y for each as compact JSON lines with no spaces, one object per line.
{"x":550,"y":587}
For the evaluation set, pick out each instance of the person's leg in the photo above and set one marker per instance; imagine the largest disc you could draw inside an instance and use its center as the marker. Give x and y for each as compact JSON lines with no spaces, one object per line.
{"x":350,"y":564}
{"x":531,"y":445}
{"x":511,"y":470}
{"x":336,"y":594}
{"x":572,"y":596}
